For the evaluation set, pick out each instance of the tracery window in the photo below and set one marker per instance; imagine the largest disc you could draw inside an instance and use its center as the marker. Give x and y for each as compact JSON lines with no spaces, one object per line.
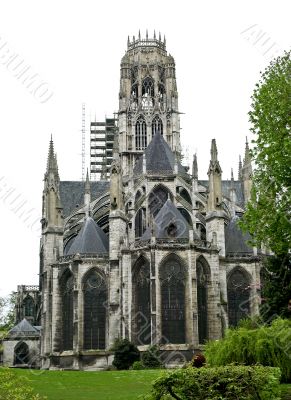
{"x":172,"y":279}
{"x":157,"y":126}
{"x":21,"y":353}
{"x":238,"y":296}
{"x":141,"y":316}
{"x":67,"y":288}
{"x":147,"y":93}
{"x":202,"y":301}
{"x":28,"y":306}
{"x":95,"y":298}
{"x":140,"y":134}
{"x":140,"y":222}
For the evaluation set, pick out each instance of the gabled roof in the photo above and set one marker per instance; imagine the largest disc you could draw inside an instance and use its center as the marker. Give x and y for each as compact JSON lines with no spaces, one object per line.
{"x":90,"y":240}
{"x":160,"y":160}
{"x":24,"y":328}
{"x":236,"y":240}
{"x":169,"y":214}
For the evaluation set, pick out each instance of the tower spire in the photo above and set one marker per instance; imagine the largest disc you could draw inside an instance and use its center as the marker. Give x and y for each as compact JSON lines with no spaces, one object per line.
{"x":195,"y":167}
{"x":239,"y":168}
{"x":52,"y":164}
{"x":213,"y":151}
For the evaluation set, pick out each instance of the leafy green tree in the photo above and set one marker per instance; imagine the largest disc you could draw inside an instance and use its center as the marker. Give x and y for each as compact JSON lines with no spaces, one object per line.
{"x":125,"y":354}
{"x":267,"y":217}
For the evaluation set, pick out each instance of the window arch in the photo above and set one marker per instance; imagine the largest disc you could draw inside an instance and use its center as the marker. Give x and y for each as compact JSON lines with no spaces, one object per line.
{"x":157,"y":198}
{"x":95,"y":298}
{"x":202,"y":274}
{"x":172,"y":280}
{"x":21,"y":353}
{"x":157,"y":126}
{"x":67,"y":292}
{"x":28,"y":305}
{"x":140,"y":134}
{"x":148,"y":87}
{"x":141,"y":318}
{"x":238,"y":296}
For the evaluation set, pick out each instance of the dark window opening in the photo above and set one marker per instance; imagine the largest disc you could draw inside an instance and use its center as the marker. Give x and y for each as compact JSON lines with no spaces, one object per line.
{"x":140,"y":222}
{"x":141,"y":326}
{"x":157,"y":199}
{"x":172,"y":277}
{"x":28,"y":307}
{"x":140,"y":134}
{"x":238,"y":297}
{"x":202,"y":302}
{"x":21,"y":354}
{"x":157,"y":126}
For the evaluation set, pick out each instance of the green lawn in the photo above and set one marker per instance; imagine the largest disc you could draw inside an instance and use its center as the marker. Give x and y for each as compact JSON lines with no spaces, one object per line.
{"x":82,"y":385}
{"x":101,"y":385}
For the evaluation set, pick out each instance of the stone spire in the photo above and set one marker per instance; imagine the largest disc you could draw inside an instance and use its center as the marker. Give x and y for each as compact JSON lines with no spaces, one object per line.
{"x":232,"y":194}
{"x":239,"y":169}
{"x":214,"y":173}
{"x":247,"y":172}
{"x":195,"y":167}
{"x":52,"y":164}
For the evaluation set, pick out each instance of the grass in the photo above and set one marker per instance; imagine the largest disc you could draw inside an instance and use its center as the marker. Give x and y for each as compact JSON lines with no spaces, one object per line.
{"x":101,"y":385}
{"x":83,"y":385}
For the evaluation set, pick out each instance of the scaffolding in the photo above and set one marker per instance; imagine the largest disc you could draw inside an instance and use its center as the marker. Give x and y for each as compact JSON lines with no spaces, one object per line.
{"x":83,"y":141}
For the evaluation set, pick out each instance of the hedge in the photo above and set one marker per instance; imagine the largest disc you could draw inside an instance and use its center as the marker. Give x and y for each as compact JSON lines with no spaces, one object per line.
{"x":221,"y":383}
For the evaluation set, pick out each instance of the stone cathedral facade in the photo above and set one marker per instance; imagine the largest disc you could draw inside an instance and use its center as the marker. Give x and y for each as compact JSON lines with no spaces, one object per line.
{"x":154,"y":254}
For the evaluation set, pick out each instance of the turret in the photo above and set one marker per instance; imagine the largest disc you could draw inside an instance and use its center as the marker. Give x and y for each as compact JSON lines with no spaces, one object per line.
{"x":215,"y":215}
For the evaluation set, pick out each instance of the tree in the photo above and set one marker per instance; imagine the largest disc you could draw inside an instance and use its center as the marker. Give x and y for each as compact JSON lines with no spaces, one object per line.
{"x":125,"y":354}
{"x":267,"y":216}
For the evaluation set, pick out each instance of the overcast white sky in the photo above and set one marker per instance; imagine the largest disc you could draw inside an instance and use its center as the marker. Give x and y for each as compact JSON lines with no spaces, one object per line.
{"x":75,"y":47}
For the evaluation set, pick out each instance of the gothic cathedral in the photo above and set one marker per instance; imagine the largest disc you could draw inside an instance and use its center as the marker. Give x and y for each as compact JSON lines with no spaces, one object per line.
{"x":152,"y":254}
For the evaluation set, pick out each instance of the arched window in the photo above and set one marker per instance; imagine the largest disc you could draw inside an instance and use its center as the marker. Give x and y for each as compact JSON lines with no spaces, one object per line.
{"x":21,"y":353}
{"x":67,"y":292}
{"x":148,"y":87}
{"x":202,"y":301}
{"x":28,"y":304}
{"x":140,"y":134}
{"x":140,"y":222}
{"x":95,"y":298}
{"x":157,"y":126}
{"x":172,"y":279}
{"x":238,"y":296}
{"x":141,"y":316}
{"x":157,"y":199}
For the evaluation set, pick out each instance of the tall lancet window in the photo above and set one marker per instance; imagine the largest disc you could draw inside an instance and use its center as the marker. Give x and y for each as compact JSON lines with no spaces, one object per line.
{"x":147,"y":93}
{"x":202,"y":301}
{"x":157,"y":126}
{"x":140,"y":134}
{"x":173,"y":279}
{"x":67,"y":292}
{"x":141,"y":312}
{"x":95,"y":297}
{"x":238,"y":296}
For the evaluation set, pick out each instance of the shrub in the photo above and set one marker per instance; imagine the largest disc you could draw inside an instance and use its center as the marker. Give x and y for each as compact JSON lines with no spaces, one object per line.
{"x":221,"y":383}
{"x":125,"y":354}
{"x":14,"y":387}
{"x":138,"y":365}
{"x":151,"y":358}
{"x":266,"y":345}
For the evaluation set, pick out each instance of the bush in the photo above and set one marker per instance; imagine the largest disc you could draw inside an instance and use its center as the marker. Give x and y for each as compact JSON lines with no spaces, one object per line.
{"x":266,"y":345}
{"x":138,"y":365}
{"x":125,"y":354}
{"x":13,"y":387}
{"x":222,"y":383}
{"x":151,"y":358}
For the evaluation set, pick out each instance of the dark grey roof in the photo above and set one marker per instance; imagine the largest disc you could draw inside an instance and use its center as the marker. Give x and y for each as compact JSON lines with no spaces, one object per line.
{"x":225,"y":185}
{"x":72,"y":193}
{"x":90,"y":240}
{"x":160,"y":159}
{"x":235,"y":239}
{"x":167,"y":215}
{"x":24,"y":328}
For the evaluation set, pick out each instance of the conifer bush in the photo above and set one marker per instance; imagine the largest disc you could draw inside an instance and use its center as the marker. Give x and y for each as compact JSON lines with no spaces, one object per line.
{"x":125,"y":354}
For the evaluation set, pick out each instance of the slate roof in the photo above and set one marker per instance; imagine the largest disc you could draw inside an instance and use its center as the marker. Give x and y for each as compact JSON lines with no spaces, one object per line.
{"x":24,"y":328}
{"x":168,"y":214}
{"x":72,"y":193}
{"x":225,"y":185}
{"x":235,"y":239}
{"x":90,"y":240}
{"x":160,"y":159}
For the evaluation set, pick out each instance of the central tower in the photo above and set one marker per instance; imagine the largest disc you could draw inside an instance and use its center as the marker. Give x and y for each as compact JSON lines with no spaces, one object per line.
{"x":148,"y":99}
